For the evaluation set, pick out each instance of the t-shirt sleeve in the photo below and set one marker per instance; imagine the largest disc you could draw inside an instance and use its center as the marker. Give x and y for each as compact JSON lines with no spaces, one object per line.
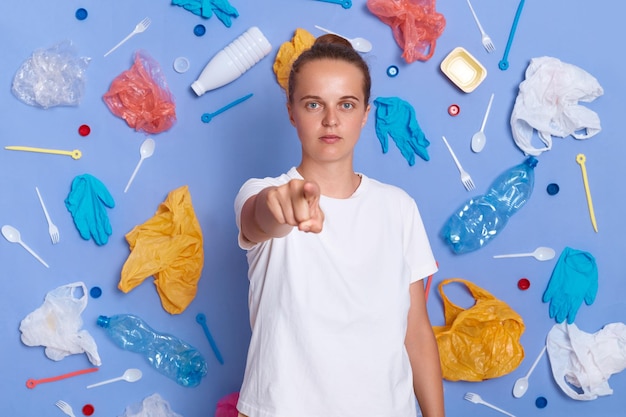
{"x":418,"y":251}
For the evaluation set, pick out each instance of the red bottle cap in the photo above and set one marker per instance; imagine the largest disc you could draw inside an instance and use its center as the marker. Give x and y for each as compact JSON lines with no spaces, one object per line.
{"x":88,"y":409}
{"x":523,"y":284}
{"x":84,"y":130}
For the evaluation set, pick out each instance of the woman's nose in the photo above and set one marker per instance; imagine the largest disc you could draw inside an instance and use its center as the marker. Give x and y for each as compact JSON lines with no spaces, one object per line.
{"x":330,"y":118}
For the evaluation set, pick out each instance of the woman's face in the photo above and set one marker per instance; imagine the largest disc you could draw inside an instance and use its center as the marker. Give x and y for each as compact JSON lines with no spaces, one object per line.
{"x":328,"y":109}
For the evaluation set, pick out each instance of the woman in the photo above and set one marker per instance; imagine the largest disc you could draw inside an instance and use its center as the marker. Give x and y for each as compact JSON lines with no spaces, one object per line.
{"x":337,"y":308}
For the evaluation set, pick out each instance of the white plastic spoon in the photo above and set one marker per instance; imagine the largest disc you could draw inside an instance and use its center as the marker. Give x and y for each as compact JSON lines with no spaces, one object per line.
{"x":146,"y":151}
{"x":479,"y":139}
{"x":131,"y":375}
{"x":359,"y":44}
{"x":542,"y":253}
{"x":521,"y":385}
{"x":13,"y":235}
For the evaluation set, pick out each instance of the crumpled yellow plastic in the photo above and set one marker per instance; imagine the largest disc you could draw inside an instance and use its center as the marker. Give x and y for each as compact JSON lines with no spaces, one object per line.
{"x":481,"y":342}
{"x":289,"y":52}
{"x":169,"y":246}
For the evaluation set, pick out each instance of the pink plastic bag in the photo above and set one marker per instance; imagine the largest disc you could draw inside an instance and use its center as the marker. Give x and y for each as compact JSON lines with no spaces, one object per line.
{"x":227,"y":406}
{"x":141,"y":97}
{"x":415,"y":24}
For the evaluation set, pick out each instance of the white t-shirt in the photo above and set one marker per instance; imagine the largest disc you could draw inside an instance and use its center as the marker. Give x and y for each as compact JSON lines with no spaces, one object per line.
{"x":329,"y":311}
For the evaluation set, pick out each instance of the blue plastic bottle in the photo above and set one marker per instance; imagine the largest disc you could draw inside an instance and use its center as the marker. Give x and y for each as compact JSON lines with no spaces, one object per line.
{"x":480,"y":219}
{"x":166,"y":353}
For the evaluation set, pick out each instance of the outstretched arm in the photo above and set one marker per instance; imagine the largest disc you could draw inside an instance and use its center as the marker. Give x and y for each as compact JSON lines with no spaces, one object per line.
{"x":276,"y":210}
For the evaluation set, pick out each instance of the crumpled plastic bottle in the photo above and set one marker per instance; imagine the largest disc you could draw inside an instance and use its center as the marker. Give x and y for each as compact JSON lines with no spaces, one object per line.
{"x":480,"y":219}
{"x":166,"y":353}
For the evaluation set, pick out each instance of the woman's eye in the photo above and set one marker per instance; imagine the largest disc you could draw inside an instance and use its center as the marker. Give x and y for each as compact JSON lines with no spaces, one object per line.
{"x":347,"y":106}
{"x":313,"y":106}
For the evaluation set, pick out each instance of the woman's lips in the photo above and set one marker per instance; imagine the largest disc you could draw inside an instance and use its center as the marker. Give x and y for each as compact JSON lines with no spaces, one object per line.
{"x":330,"y":138}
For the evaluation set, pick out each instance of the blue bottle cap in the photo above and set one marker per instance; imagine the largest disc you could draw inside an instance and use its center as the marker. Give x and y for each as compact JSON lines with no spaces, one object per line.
{"x":392,"y":71}
{"x":95,"y":292}
{"x":541,"y":402}
{"x":103,"y":321}
{"x":81,"y":14}
{"x":199,"y":30}
{"x":553,"y":188}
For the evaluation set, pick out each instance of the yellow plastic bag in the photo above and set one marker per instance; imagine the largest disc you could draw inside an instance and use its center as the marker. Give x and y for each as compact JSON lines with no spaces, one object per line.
{"x":288,"y":53}
{"x":479,"y":343}
{"x":169,"y":247}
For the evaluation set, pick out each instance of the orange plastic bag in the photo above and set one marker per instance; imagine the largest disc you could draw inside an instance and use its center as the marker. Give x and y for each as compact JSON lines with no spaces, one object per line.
{"x":169,"y":247}
{"x":141,"y":97}
{"x":482,"y":342}
{"x":415,"y":24}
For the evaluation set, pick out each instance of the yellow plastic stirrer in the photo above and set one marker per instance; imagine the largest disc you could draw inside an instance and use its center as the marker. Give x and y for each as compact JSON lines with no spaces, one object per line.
{"x":580,"y":158}
{"x":75,"y":154}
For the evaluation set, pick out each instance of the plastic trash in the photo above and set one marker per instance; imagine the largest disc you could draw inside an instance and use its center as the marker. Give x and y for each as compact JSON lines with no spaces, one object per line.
{"x":51,"y":77}
{"x":152,"y":406}
{"x":480,"y":219}
{"x":166,"y":353}
{"x":232,"y":61}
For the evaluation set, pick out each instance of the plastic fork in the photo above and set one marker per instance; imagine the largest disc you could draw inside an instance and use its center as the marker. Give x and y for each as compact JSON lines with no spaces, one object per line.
{"x":53,"y":230}
{"x":475,"y":398}
{"x":65,"y":407}
{"x":465,"y":177}
{"x":486,"y":40}
{"x":141,"y":26}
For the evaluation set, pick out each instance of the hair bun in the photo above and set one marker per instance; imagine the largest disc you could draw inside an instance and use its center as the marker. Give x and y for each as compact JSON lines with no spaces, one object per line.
{"x":332,"y":39}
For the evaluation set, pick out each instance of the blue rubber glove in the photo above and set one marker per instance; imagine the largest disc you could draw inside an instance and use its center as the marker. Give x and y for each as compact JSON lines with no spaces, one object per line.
{"x":574,"y":279}
{"x":86,"y":201}
{"x":396,"y":118}
{"x":205,"y":8}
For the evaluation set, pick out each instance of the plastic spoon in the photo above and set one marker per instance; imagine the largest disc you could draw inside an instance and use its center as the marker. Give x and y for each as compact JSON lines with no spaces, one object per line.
{"x":146,"y":151}
{"x":521,"y":385}
{"x":542,"y":253}
{"x":13,"y":235}
{"x":479,"y":139}
{"x":207,"y":117}
{"x":131,"y":375}
{"x":359,"y":44}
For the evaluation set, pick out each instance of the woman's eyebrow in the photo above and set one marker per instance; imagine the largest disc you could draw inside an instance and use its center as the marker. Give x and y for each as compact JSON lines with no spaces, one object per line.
{"x":314,"y":97}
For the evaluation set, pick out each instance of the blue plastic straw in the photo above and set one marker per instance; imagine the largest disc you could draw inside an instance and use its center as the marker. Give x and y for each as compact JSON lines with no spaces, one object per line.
{"x":504,"y":63}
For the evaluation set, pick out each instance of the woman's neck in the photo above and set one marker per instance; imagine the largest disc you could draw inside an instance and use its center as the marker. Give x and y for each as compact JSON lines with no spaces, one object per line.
{"x":335,"y":181}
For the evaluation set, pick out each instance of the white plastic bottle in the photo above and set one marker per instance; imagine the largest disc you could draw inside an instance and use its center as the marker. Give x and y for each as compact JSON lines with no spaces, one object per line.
{"x":232,"y":61}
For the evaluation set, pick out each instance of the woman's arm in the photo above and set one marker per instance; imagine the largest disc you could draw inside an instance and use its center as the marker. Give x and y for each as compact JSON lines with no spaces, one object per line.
{"x":424,"y":355}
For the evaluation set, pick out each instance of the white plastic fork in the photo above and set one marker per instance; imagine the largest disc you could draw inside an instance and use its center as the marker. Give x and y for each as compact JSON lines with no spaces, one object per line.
{"x":465,"y":177}
{"x":65,"y":407}
{"x":141,"y":26}
{"x":486,"y":40}
{"x":475,"y":398}
{"x":53,"y":230}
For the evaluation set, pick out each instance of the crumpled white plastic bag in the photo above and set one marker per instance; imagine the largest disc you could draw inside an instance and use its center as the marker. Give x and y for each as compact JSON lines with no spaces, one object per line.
{"x":548,"y":102}
{"x":152,"y":406}
{"x":56,"y":325}
{"x":582,"y":363}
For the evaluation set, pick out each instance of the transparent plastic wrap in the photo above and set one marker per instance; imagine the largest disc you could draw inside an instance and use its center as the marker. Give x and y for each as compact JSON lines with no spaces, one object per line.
{"x":480,"y":219}
{"x":152,"y":406}
{"x":141,"y":96}
{"x":51,"y":77}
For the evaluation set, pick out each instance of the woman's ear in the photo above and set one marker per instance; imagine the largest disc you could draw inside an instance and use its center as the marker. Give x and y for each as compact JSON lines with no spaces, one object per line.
{"x":290,"y":112}
{"x":367,"y":112}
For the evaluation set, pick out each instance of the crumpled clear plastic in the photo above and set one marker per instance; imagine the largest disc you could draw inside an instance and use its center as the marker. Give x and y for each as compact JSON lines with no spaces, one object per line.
{"x":548,"y":102}
{"x":57,"y":322}
{"x":416,"y":25}
{"x":51,"y":77}
{"x":152,"y":406}
{"x":141,"y":96}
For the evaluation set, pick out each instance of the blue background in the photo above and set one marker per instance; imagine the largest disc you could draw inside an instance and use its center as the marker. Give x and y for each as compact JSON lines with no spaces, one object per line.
{"x":255,"y":139}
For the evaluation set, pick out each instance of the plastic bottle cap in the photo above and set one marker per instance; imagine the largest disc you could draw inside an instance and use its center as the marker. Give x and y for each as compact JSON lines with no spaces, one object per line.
{"x":88,"y":409}
{"x":553,"y":188}
{"x":181,"y":64}
{"x":523,"y":284}
{"x":81,"y":14}
{"x":454,"y":110}
{"x":84,"y":130}
{"x":199,"y":30}
{"x":541,"y":402}
{"x":95,"y":292}
{"x":392,"y":71}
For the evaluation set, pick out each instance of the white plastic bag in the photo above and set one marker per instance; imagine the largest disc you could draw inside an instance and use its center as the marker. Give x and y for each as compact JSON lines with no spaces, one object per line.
{"x":548,"y":102}
{"x":56,"y":325}
{"x":152,"y":406}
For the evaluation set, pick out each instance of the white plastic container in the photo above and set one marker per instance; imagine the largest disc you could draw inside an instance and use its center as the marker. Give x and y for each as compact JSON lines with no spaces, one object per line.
{"x":232,"y":61}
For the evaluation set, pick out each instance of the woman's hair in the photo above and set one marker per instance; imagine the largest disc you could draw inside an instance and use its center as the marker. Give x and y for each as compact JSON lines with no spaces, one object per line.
{"x":330,"y":47}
